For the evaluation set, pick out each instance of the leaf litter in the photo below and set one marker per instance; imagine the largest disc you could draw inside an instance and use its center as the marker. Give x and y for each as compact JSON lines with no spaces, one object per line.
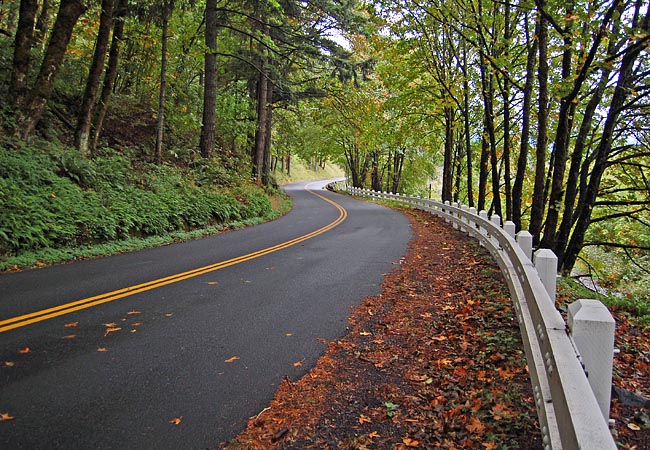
{"x":434,"y":361}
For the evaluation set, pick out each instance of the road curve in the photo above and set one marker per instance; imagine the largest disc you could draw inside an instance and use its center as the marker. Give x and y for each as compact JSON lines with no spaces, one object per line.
{"x":183,"y":362}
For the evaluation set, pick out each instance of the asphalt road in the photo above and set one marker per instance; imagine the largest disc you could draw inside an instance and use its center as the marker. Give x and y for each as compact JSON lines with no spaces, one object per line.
{"x":125,"y":353}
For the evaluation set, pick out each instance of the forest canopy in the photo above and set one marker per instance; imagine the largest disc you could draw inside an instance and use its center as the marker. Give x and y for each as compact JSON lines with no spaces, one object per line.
{"x":534,"y":110}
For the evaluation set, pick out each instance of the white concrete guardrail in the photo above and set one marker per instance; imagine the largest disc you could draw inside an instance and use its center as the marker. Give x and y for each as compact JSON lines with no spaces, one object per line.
{"x":570,"y":364}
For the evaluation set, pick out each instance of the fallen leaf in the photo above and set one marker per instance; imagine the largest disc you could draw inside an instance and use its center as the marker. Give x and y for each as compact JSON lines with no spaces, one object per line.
{"x":365,"y":333}
{"x":71,"y":325}
{"x":136,"y":324}
{"x":364,"y":419}
{"x":633,"y":427}
{"x":110,"y":325}
{"x":8,"y":364}
{"x":5,"y":417}
{"x":411,"y":442}
{"x":70,"y":336}
{"x":213,"y":283}
{"x":102,"y":349}
{"x":176,"y":420}
{"x":169,"y":314}
{"x":134,"y":331}
{"x":374,"y":434}
{"x":489,"y":445}
{"x":130,"y":313}
{"x":110,"y":330}
{"x":289,"y":334}
{"x":298,"y":363}
{"x":475,"y":426}
{"x":232,"y":359}
{"x":24,"y":350}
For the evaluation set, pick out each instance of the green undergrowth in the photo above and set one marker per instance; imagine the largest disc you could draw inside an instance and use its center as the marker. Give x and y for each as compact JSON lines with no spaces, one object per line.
{"x":638,"y":309}
{"x":58,"y":206}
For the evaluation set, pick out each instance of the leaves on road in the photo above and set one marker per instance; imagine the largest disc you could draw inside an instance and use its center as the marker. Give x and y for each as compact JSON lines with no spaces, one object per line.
{"x":434,"y":361}
{"x":71,"y":325}
{"x":176,"y":421}
{"x":102,"y":349}
{"x":232,"y":359}
{"x":5,"y":417}
{"x":24,"y":350}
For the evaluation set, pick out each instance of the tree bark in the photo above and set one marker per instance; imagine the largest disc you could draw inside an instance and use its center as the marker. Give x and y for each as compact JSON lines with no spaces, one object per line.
{"x":111,"y":73}
{"x":22,"y":49}
{"x":206,"y":144}
{"x":36,"y":101}
{"x":448,"y":169}
{"x":84,"y":120}
{"x":168,"y":7}
{"x":539,"y":199}
{"x":260,"y":133}
{"x":522,"y":161}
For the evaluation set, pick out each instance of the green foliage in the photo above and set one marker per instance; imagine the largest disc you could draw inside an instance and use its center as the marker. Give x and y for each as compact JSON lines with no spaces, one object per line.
{"x":53,"y":198}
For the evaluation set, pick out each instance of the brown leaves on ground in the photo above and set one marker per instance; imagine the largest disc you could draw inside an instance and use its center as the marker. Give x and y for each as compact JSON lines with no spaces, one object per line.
{"x":434,"y":361}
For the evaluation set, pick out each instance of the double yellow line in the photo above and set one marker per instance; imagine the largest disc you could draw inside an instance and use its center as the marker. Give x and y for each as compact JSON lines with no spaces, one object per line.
{"x":39,"y":316}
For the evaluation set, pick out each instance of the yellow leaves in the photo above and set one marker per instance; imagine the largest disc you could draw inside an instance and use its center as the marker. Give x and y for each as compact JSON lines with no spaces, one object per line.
{"x":633,"y":427}
{"x":232,"y":359}
{"x":24,"y":350}
{"x":102,"y":349}
{"x":71,"y":325}
{"x":8,"y":364}
{"x":131,"y":313}
{"x":364,"y":419}
{"x":110,"y":330}
{"x":373,"y":435}
{"x":298,"y":363}
{"x":4,"y":417}
{"x":176,"y":420}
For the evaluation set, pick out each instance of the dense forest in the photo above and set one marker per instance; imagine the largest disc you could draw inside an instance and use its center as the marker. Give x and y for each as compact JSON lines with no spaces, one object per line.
{"x":535,"y":110}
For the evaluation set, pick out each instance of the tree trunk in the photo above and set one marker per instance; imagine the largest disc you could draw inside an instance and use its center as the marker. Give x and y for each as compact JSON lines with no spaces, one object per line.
{"x":468,"y":142}
{"x":266,"y":166}
{"x":506,"y":117}
{"x":522,"y":161}
{"x":111,"y":73}
{"x":22,"y":50}
{"x":36,"y":101}
{"x":260,"y":133}
{"x":168,"y":7}
{"x":42,"y":24}
{"x":448,"y":168}
{"x":538,"y":206}
{"x":487,"y":88}
{"x":84,"y":121}
{"x":206,"y":144}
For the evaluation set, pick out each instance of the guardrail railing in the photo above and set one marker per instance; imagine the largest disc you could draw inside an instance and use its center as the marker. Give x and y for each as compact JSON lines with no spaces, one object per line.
{"x":570,"y":372}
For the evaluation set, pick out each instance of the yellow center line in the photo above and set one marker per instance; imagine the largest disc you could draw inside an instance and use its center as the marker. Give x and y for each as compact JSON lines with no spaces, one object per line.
{"x":39,"y":316}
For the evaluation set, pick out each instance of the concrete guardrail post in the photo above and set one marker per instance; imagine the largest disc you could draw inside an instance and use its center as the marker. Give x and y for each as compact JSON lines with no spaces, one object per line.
{"x":592,"y":328}
{"x":465,"y":220}
{"x":545,"y":262}
{"x":525,"y":241}
{"x":509,"y":227}
{"x":455,"y":224}
{"x":483,"y":215}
